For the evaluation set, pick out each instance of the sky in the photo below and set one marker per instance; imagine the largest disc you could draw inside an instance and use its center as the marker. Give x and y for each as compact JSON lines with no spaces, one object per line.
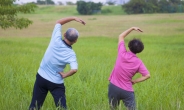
{"x":74,"y":1}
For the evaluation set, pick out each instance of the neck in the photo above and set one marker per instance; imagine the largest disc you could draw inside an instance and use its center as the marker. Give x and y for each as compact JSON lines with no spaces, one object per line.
{"x":68,"y":42}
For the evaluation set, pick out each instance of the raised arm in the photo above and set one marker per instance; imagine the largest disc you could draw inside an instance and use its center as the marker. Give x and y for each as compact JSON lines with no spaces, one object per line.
{"x":68,"y":19}
{"x":125,"y":33}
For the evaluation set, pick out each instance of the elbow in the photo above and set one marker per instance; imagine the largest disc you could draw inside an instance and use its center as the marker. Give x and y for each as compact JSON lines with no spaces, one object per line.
{"x":148,"y":76}
{"x":74,"y":70}
{"x":57,"y":22}
{"x":120,"y":36}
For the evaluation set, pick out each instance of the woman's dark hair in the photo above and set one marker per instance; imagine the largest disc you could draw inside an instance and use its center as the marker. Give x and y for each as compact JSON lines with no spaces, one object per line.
{"x":136,"y":46}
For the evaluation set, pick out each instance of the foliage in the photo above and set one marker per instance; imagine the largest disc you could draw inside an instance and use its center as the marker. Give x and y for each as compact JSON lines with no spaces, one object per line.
{"x":9,"y":11}
{"x":110,"y":2}
{"x":134,"y":6}
{"x":70,"y":3}
{"x":175,"y":1}
{"x":153,"y":6}
{"x":163,"y":4}
{"x":140,"y":6}
{"x":171,"y":6}
{"x":45,"y":2}
{"x":88,"y":8}
{"x":112,"y":10}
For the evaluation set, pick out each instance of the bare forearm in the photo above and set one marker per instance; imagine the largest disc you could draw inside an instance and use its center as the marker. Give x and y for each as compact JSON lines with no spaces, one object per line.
{"x":67,"y":74}
{"x":65,"y":20}
{"x":143,"y":78}
{"x":125,"y":33}
{"x":68,"y":19}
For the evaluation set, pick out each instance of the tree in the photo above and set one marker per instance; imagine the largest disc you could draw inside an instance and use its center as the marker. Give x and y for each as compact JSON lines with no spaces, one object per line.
{"x":9,"y":11}
{"x":175,"y":1}
{"x":111,"y":2}
{"x":70,"y":3}
{"x":88,"y":8}
{"x":134,"y":6}
{"x":45,"y":2}
{"x":153,"y":6}
{"x":170,"y":6}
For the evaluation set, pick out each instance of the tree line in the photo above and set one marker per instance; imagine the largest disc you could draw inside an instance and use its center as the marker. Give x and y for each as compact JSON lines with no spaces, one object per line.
{"x":153,"y":6}
{"x":132,"y":7}
{"x":9,"y":11}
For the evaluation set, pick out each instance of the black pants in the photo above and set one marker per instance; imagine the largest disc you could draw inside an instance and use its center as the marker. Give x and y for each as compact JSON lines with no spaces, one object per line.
{"x":41,"y":88}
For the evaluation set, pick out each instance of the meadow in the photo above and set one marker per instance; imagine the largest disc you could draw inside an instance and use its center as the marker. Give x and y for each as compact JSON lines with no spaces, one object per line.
{"x":22,"y":50}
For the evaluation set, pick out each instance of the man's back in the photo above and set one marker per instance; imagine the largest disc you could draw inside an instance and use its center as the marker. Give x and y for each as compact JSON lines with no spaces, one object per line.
{"x":57,"y":55}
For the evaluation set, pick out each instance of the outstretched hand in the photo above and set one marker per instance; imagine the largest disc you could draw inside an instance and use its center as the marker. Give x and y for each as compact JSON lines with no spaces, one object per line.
{"x":80,"y":21}
{"x":137,"y":29}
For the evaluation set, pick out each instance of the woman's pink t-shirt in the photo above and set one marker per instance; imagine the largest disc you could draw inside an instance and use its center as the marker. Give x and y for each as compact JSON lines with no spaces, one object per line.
{"x":126,"y":66}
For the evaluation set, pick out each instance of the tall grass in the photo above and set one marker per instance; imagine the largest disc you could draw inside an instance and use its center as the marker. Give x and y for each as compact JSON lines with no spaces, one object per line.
{"x":22,"y":50}
{"x":87,"y":89}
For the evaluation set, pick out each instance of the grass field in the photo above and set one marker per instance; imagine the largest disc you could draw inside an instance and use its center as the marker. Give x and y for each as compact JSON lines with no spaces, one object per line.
{"x":22,"y":50}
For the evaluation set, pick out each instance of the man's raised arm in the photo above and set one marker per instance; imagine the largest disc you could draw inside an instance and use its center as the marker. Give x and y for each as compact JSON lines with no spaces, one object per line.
{"x":68,"y":19}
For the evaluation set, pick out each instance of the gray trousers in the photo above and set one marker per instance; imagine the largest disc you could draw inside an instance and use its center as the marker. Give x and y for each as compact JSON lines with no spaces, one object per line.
{"x":115,"y":94}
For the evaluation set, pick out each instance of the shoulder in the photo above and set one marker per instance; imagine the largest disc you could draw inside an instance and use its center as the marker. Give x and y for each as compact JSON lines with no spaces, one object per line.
{"x":141,"y":63}
{"x":56,"y":31}
{"x":138,"y":60}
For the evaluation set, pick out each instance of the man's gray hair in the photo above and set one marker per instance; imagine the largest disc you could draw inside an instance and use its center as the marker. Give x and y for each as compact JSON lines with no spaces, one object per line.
{"x":72,"y":34}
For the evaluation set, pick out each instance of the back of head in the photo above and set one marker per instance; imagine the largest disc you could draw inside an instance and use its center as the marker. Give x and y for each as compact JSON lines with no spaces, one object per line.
{"x":136,"y":46}
{"x":72,"y":34}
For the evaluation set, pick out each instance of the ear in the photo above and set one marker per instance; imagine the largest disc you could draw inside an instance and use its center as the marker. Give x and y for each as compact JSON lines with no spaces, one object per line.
{"x":64,"y":34}
{"x":75,"y":41}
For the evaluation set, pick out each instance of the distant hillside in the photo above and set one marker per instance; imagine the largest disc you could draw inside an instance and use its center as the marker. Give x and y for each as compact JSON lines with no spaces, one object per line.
{"x":71,"y":10}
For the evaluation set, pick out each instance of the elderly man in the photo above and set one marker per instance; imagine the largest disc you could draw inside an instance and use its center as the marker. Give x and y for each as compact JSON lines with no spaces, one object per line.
{"x":50,"y":76}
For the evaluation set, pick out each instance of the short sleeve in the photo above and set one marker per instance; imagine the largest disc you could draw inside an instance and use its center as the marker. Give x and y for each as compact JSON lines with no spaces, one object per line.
{"x":57,"y":31}
{"x":73,"y":62}
{"x":143,"y":70}
{"x":121,"y":47}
